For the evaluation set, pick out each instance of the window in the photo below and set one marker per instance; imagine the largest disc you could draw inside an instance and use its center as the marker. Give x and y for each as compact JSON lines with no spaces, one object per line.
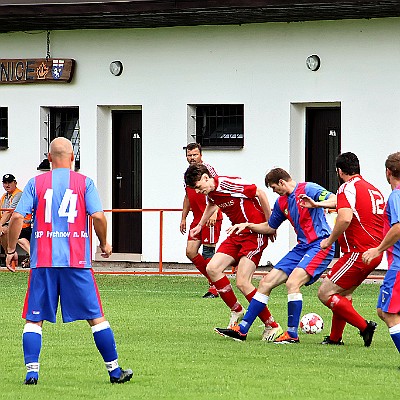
{"x":3,"y":128}
{"x":64,"y":122}
{"x":219,"y":125}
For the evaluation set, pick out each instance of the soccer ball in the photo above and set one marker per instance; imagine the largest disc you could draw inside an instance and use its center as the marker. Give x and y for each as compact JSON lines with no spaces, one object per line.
{"x":311,"y":323}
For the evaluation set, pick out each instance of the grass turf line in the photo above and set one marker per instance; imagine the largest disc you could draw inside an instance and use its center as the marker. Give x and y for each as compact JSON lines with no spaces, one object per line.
{"x":164,"y":332}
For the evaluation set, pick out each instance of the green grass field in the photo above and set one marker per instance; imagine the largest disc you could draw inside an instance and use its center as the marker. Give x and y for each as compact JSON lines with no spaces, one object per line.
{"x":164,"y":332}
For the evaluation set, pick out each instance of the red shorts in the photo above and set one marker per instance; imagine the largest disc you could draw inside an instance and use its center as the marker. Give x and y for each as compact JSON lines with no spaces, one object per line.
{"x":350,"y":271}
{"x":250,"y":245}
{"x":208,"y":234}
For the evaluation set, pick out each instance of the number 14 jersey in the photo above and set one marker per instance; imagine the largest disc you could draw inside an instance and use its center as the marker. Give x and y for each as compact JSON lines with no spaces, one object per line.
{"x":62,"y":200}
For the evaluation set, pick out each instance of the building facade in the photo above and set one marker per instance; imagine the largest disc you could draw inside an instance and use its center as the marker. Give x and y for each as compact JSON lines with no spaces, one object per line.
{"x":245,"y":91}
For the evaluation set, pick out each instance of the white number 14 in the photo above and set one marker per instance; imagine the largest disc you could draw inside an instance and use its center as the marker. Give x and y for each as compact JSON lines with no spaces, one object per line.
{"x":68,"y":202}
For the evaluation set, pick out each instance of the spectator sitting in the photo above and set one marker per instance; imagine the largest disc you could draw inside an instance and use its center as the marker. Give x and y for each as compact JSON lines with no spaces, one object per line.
{"x":9,"y":200}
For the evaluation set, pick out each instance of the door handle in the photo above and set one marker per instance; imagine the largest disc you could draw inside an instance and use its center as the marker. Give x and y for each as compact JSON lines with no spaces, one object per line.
{"x":119,"y":179}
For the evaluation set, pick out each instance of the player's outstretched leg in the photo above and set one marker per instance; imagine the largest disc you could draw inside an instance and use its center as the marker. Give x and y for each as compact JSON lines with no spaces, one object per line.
{"x":105,"y":343}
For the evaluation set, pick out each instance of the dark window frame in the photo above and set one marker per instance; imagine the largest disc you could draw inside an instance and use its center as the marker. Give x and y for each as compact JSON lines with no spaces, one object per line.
{"x":3,"y":128}
{"x":220,"y":125}
{"x":63,"y":122}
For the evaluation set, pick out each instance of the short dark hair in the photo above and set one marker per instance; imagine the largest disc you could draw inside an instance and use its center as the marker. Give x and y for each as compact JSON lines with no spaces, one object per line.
{"x":393,"y":164}
{"x":192,"y":146}
{"x":275,"y":175}
{"x":348,"y":163}
{"x":194,"y":173}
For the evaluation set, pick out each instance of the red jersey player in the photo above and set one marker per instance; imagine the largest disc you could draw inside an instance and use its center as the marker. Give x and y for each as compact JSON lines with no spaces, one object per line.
{"x":209,"y":234}
{"x":358,"y":227}
{"x":241,"y":202}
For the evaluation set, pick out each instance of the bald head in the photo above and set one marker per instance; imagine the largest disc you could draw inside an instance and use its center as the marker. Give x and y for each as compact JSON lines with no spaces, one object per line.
{"x":61,"y":153}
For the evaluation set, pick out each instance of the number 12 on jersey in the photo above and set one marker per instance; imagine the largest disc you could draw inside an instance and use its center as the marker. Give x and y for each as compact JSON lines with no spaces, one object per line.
{"x":67,"y":206}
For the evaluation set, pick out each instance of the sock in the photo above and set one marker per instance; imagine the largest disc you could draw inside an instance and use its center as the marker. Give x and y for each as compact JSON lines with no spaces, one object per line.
{"x":257,"y":304}
{"x":338,"y":325}
{"x":208,"y":252}
{"x":265,"y":314}
{"x":295,"y":305}
{"x":226,"y":293}
{"x":345,"y":310}
{"x":201,"y":264}
{"x":337,"y":328}
{"x":395,"y":335}
{"x":105,"y":343}
{"x":32,"y":344}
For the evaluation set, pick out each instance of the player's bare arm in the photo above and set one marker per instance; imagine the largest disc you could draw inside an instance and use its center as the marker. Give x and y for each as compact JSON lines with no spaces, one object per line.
{"x":185,"y":212}
{"x":209,"y":210}
{"x":100,"y":227}
{"x":213,"y":219}
{"x":307,"y":202}
{"x":263,"y":228}
{"x":14,"y":230}
{"x":389,"y":240}
{"x":263,"y":199}
{"x":343,"y":220}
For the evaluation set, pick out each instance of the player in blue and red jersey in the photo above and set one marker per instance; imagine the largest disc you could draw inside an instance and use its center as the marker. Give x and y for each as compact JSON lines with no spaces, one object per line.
{"x":303,"y":265}
{"x":388,"y":306}
{"x":240,"y":201}
{"x":61,"y":258}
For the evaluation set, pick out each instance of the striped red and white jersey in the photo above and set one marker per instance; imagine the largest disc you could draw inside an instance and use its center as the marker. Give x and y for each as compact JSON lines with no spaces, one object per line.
{"x":367,"y":203}
{"x":237,"y":199}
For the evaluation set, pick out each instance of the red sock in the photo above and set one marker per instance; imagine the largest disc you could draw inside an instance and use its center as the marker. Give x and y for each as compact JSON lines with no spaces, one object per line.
{"x":201,"y":264}
{"x":337,"y":328}
{"x":225,"y":290}
{"x":265,"y":314}
{"x":343,"y":308}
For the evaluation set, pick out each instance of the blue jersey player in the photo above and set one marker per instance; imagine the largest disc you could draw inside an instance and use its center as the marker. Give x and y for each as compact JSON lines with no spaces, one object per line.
{"x":388,"y":306}
{"x":60,"y":258}
{"x":304,"y":264}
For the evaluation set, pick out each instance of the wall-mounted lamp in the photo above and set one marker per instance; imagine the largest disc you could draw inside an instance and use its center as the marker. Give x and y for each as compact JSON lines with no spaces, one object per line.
{"x":313,"y":62}
{"x":116,"y":68}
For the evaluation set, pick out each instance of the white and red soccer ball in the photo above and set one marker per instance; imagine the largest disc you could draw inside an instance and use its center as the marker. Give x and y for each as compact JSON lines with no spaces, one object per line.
{"x":311,"y":323}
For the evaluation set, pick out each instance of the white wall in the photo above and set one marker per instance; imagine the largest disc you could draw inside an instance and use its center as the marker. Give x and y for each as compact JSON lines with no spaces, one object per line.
{"x":261,"y":66}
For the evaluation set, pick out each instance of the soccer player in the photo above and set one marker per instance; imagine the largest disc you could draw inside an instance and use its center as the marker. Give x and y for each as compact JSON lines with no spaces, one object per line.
{"x":61,"y":258}
{"x":303,"y":265}
{"x":240,"y":201}
{"x":358,"y":227}
{"x":388,"y":306}
{"x":209,"y":234}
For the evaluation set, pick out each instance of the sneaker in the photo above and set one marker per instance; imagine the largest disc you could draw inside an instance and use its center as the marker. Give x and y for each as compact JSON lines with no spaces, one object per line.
{"x":285,"y":338}
{"x":368,"y":333}
{"x":270,"y":333}
{"x":30,"y":381}
{"x":233,"y":333}
{"x":328,"y":340}
{"x":212,"y":293}
{"x":126,"y":375}
{"x":236,"y":317}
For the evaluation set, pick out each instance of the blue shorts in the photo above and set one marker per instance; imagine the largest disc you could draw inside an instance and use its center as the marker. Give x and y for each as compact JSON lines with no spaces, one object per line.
{"x":75,"y":287}
{"x":308,"y":257}
{"x":389,"y":294}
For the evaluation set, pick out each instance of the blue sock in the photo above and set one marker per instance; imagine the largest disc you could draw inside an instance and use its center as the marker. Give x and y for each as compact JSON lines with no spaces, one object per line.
{"x":395,"y":335}
{"x":105,"y":343}
{"x":32,"y":344}
{"x":295,"y":305}
{"x":257,"y":304}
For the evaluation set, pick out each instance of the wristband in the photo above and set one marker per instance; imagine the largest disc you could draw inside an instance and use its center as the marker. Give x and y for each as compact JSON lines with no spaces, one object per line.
{"x":11,"y":252}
